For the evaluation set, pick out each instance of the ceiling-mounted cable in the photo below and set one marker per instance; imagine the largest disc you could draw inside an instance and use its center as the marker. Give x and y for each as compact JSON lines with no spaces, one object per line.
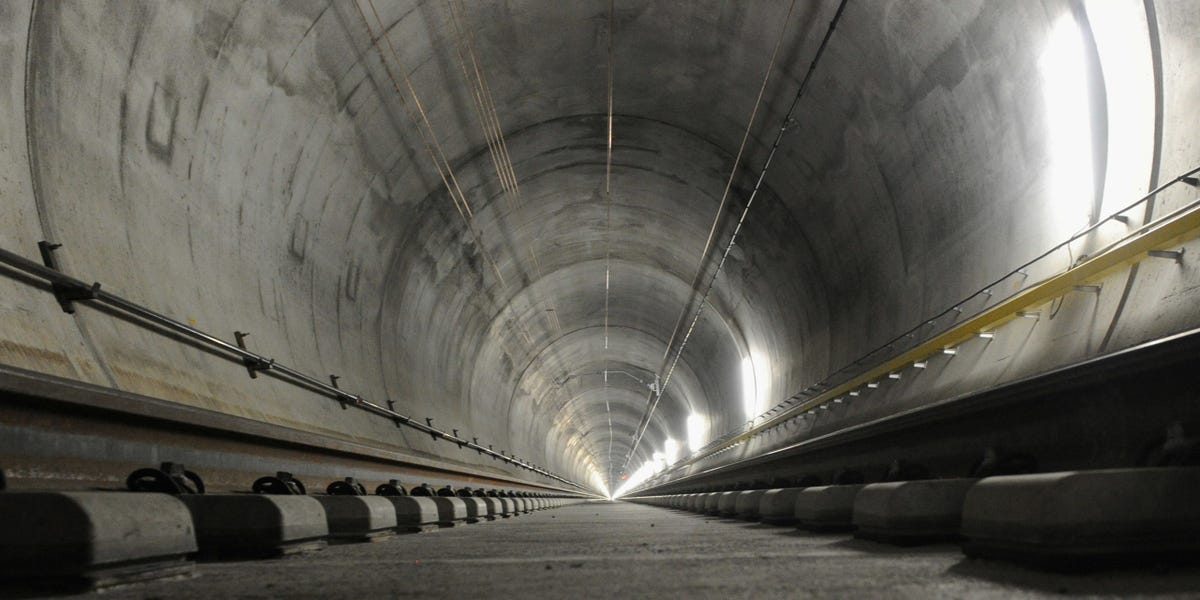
{"x":737,"y":159}
{"x":489,"y":121}
{"x":477,"y":99}
{"x":608,"y":176}
{"x":420,"y":119}
{"x":608,"y":230}
{"x":787,"y":119}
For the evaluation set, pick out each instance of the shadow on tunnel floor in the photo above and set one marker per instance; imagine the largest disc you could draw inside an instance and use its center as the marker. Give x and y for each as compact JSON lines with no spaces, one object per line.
{"x":1140,"y":580}
{"x":867,"y":546}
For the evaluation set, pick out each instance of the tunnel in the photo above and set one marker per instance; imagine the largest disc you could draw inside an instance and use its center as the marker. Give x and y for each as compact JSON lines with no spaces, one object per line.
{"x":596,"y":251}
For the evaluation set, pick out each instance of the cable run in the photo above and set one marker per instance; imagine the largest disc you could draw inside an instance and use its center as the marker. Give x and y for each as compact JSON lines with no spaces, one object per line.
{"x":608,"y":227}
{"x":489,"y":121}
{"x":788,"y":118}
{"x":737,"y":159}
{"x":608,"y":177}
{"x":417,"y":113}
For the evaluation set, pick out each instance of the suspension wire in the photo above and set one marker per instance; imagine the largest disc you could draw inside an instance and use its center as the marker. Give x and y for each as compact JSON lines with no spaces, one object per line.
{"x":417,"y":113}
{"x":494,"y":133}
{"x":485,"y":110}
{"x":717,"y":218}
{"x":608,"y":176}
{"x":656,"y":396}
{"x":478,"y":103}
{"x":489,"y":121}
{"x":608,"y":231}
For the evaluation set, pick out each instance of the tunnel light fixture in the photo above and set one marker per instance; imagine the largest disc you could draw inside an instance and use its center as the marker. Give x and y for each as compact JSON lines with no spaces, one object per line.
{"x":856,"y":393}
{"x":1068,"y":118}
{"x":920,"y":364}
{"x":670,"y":451}
{"x":949,"y":351}
{"x":837,"y":400}
{"x":986,"y":335}
{"x":873,"y":384}
{"x":1029,"y":314}
{"x":749,"y":387}
{"x":893,"y":375}
{"x":697,"y":431}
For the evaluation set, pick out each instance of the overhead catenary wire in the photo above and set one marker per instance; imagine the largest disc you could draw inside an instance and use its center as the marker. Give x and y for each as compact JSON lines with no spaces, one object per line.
{"x":489,"y":121}
{"x":656,"y":395}
{"x":608,"y":228}
{"x":429,"y":139}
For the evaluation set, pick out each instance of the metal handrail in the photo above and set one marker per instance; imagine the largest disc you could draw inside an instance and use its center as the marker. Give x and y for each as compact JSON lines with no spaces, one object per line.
{"x":63,"y":285}
{"x":855,"y":374}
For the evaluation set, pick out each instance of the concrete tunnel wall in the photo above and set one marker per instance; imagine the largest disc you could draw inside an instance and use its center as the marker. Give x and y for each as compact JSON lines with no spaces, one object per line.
{"x":251,"y":166}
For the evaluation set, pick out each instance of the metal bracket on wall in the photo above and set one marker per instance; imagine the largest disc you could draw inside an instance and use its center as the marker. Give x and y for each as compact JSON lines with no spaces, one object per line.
{"x":1175,"y":255}
{"x":253,"y":365}
{"x":66,"y":294}
{"x":69,"y":289}
{"x":333,"y":379}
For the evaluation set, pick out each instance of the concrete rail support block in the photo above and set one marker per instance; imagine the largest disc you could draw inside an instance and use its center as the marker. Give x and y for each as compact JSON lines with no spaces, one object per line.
{"x":358,"y":518}
{"x":911,"y":512}
{"x":489,"y":507}
{"x":93,"y":539}
{"x":475,"y":510}
{"x":727,"y":505}
{"x":827,"y":507}
{"x":746,"y":507}
{"x":711,"y":500}
{"x":1077,"y":520}
{"x":257,"y":524}
{"x":451,"y":510}
{"x":724,"y":504}
{"x":506,"y":507}
{"x":415,"y":514}
{"x":778,"y":506}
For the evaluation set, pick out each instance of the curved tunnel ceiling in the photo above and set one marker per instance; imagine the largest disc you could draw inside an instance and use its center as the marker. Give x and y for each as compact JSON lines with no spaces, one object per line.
{"x":284,"y":142}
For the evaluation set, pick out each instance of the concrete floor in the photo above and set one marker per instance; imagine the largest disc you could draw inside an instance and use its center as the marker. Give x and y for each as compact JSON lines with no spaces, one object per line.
{"x":621,"y":550}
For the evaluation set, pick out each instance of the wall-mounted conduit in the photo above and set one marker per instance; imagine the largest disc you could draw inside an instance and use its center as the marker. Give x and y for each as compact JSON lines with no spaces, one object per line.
{"x":68,"y":290}
{"x":913,"y":347}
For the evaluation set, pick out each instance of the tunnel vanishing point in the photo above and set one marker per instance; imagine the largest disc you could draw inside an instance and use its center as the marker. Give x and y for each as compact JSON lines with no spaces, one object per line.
{"x":586,"y":249}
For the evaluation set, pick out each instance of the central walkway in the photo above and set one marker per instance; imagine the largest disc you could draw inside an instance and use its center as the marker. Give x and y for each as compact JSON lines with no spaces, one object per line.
{"x":622,"y":550}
